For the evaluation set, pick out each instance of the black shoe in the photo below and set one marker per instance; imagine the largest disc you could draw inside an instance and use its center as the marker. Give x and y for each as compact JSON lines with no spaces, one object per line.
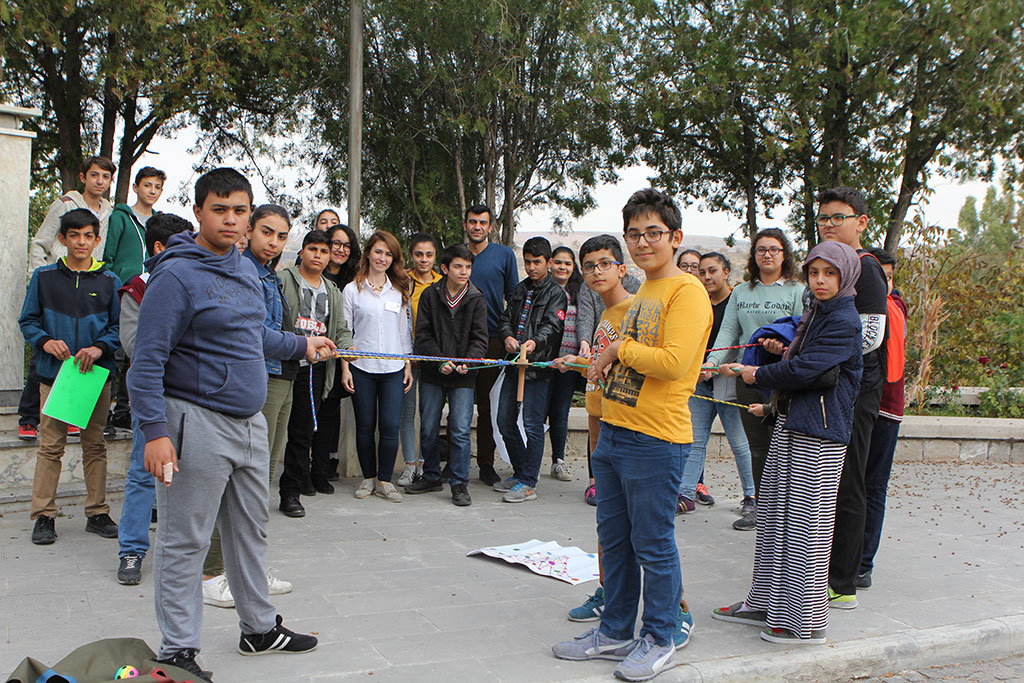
{"x":121,"y":421}
{"x":186,"y":659}
{"x":332,"y":470}
{"x":109,"y":431}
{"x":424,"y":485}
{"x":747,"y":522}
{"x":488,"y":475}
{"x":446,"y":473}
{"x":308,"y":490}
{"x":323,"y":487}
{"x":291,"y":507}
{"x":278,"y":639}
{"x":863,"y":580}
{"x":101,"y":524}
{"x":44,"y":532}
{"x":460,"y":495}
{"x":129,"y":570}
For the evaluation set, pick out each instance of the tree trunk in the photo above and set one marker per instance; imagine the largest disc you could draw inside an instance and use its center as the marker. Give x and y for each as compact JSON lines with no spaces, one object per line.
{"x":127,"y":152}
{"x":457,"y":154}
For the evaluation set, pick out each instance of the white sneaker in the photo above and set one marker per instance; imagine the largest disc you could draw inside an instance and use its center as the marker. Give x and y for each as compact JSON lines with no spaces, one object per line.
{"x":277,"y":586}
{"x":408,"y":474}
{"x":216,"y":592}
{"x":365,"y":488}
{"x":560,"y":471}
{"x":387,"y":491}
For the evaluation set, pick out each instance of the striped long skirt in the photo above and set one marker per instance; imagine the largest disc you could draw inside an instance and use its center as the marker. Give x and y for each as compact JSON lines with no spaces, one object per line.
{"x":796,"y":511}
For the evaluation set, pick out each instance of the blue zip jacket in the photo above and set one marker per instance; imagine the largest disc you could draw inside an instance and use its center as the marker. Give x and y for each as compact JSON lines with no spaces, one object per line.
{"x":783,"y":329}
{"x":201,"y":336}
{"x":80,"y":308}
{"x":832,"y":337}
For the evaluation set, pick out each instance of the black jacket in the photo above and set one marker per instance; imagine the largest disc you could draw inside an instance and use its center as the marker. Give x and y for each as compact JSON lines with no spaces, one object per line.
{"x":832,"y":339}
{"x":442,"y":331}
{"x":545,"y":323}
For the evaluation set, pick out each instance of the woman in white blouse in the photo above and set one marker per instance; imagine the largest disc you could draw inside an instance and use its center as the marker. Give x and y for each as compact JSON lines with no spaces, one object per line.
{"x":377,"y":308}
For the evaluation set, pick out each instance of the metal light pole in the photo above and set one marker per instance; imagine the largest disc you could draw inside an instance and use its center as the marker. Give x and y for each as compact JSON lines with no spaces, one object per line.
{"x":355,"y":127}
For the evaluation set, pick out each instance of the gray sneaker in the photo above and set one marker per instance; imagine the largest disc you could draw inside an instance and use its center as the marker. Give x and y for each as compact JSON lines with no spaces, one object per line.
{"x":647,"y":660}
{"x":747,"y":522}
{"x":560,"y":471}
{"x":519,"y":493}
{"x":506,"y":485}
{"x":593,"y":645}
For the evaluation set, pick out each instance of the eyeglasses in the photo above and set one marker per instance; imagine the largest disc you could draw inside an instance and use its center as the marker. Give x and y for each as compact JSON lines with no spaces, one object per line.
{"x":835,"y":219}
{"x":774,"y":251}
{"x":338,"y":244}
{"x":600,"y":266}
{"x":689,"y":267}
{"x":652,"y":236}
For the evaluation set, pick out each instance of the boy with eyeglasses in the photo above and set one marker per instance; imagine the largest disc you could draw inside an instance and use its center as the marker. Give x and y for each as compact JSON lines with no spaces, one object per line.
{"x":842,"y":217}
{"x":649,"y":375}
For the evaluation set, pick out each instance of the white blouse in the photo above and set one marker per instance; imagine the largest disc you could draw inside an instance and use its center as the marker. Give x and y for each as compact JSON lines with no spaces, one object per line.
{"x":379,"y":322}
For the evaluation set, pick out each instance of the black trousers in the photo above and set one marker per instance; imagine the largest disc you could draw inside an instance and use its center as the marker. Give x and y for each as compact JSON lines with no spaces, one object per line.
{"x":28,"y":406}
{"x":757,"y":429}
{"x":122,"y":408}
{"x":300,"y":470}
{"x":328,"y":434}
{"x":851,"y":505}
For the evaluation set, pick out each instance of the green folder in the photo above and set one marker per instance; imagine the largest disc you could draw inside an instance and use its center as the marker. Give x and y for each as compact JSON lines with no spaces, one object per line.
{"x":74,"y":394}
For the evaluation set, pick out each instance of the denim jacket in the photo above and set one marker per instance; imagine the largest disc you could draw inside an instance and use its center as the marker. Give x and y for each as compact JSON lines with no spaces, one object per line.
{"x":272,"y":298}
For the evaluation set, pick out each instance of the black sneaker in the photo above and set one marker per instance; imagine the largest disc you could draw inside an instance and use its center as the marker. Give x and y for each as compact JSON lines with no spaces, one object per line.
{"x":291,"y":507}
{"x":109,"y":431}
{"x":44,"y":533}
{"x":324,"y":487}
{"x":488,"y":475}
{"x":101,"y":524}
{"x":863,"y":580}
{"x":747,"y":522}
{"x":278,"y":639}
{"x":129,"y":570}
{"x":424,"y":485}
{"x":186,"y":659}
{"x":460,"y":495}
{"x":332,"y":470}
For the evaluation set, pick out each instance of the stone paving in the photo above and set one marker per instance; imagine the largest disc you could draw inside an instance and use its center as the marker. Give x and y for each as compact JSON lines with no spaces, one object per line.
{"x":392,"y":596}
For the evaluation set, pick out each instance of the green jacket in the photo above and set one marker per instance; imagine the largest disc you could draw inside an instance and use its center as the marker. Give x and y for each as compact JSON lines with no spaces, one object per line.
{"x":337,"y":328}
{"x":125,"y":248}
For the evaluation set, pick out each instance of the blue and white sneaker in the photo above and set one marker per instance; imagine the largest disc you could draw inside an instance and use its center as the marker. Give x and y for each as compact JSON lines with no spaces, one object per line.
{"x":647,"y":660}
{"x":506,"y":485}
{"x":519,"y":493}
{"x":591,"y":609}
{"x":684,"y":626}
{"x":593,"y":645}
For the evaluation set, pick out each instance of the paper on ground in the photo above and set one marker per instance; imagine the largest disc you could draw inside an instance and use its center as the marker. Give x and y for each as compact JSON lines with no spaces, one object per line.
{"x":547,"y":558}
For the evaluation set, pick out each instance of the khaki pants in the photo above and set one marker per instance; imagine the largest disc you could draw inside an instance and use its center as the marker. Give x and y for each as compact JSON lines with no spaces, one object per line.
{"x":53,"y":435}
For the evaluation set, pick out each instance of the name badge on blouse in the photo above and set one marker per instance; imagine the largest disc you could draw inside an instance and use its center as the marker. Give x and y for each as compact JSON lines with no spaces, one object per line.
{"x":392,"y":307}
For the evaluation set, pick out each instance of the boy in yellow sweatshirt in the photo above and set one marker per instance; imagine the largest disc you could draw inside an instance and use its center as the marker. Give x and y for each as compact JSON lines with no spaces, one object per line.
{"x":649,"y":374}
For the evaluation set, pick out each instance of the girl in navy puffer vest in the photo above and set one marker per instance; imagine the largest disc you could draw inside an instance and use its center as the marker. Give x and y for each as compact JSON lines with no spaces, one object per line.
{"x":814,"y":388}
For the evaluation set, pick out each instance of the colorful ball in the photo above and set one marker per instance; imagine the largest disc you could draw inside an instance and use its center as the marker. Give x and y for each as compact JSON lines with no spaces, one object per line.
{"x":126,"y":671}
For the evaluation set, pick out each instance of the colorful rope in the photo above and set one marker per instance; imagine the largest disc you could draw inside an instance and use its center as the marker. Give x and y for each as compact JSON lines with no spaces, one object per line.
{"x":312,"y":401}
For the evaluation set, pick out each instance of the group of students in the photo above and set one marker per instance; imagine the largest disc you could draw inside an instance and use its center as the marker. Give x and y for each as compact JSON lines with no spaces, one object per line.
{"x":235,"y":364}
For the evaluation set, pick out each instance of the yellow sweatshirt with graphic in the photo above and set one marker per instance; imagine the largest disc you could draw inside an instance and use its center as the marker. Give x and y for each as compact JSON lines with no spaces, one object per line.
{"x":664,"y":334}
{"x":605,"y":334}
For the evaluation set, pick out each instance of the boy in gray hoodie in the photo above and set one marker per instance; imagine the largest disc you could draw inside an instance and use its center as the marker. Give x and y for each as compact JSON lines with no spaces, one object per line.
{"x":198,"y":381}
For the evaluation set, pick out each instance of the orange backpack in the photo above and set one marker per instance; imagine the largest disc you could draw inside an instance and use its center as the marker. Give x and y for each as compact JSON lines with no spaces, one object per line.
{"x":895,"y":344}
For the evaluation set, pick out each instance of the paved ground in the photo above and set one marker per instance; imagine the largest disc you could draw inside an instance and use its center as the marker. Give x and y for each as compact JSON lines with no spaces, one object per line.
{"x":1006,"y":669}
{"x":391,"y":594}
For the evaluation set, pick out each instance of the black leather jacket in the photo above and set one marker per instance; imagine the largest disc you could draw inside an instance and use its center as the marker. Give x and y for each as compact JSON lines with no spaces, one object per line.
{"x":545,"y":323}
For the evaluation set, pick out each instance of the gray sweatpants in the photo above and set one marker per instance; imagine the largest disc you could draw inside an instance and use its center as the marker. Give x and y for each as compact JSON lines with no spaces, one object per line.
{"x":222,"y":479}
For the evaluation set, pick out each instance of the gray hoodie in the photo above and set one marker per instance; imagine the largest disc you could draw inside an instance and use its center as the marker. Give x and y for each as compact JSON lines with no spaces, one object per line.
{"x":45,"y":249}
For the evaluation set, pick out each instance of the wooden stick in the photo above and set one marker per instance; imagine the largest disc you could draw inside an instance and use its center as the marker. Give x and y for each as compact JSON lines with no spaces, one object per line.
{"x":521,"y":363}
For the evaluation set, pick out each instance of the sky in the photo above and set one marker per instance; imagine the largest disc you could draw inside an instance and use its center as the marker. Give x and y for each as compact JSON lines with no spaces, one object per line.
{"x":942,"y":207}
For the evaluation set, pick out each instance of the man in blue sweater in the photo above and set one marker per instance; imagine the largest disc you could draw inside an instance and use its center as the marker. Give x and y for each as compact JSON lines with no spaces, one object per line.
{"x":496,"y":274}
{"x":198,"y":381}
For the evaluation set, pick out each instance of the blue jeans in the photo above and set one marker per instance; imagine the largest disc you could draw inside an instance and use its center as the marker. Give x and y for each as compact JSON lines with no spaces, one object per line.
{"x":377,"y":397}
{"x":876,"y":481}
{"x":137,"y":510}
{"x":525,"y":457}
{"x":460,"y":417}
{"x":563,"y":386}
{"x":407,"y":426}
{"x":637,"y":478}
{"x":702,"y":414}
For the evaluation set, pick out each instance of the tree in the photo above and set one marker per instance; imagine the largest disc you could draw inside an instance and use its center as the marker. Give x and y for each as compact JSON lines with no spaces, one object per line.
{"x":474,"y":102}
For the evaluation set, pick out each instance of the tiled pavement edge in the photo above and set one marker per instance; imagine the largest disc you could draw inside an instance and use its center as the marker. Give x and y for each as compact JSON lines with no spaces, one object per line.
{"x":391,"y":594}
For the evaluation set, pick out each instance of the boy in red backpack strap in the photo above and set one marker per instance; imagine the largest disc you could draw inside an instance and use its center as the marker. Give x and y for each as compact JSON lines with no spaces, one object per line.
{"x":887,"y":426}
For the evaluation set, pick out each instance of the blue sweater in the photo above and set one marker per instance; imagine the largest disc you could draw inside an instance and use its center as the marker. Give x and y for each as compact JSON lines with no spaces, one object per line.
{"x":496,"y":274}
{"x":80,"y":308}
{"x":832,"y":338}
{"x":201,"y":336}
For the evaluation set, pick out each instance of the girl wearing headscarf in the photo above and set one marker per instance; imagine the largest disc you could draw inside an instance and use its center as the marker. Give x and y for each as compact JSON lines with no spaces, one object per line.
{"x":813,"y":388}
